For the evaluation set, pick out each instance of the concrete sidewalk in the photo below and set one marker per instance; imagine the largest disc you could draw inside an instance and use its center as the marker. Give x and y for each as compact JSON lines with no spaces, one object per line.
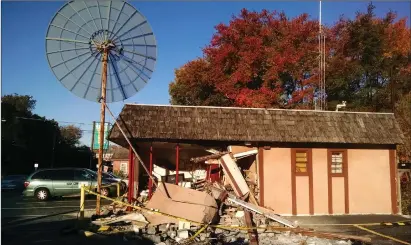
{"x":345,"y":219}
{"x":370,"y":226}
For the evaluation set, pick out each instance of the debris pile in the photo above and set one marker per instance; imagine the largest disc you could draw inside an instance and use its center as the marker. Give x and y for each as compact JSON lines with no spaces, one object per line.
{"x":209,"y":213}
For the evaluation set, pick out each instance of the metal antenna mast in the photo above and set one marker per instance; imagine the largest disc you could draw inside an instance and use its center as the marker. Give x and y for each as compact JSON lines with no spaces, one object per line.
{"x":322,"y":101}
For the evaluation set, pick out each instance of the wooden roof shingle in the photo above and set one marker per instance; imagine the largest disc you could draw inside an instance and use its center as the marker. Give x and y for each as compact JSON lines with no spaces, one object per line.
{"x":230,"y":124}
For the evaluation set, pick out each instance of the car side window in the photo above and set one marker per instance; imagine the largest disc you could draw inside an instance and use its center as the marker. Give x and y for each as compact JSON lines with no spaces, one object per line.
{"x":42,"y":175}
{"x":82,"y":175}
{"x":63,"y":175}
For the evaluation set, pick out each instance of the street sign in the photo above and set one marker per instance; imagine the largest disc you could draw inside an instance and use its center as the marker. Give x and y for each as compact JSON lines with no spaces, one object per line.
{"x":96,"y":132}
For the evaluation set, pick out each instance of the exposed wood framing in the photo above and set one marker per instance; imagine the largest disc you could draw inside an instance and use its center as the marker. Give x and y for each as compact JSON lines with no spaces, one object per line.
{"x":150,"y":181}
{"x":177,"y":161}
{"x":205,"y":158}
{"x":252,"y":234}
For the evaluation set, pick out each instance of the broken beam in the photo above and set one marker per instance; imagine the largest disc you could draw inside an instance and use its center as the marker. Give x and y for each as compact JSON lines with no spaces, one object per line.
{"x":252,"y":234}
{"x":204,"y":158}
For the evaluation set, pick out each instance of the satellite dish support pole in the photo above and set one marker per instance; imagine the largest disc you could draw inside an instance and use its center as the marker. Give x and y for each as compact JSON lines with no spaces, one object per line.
{"x":102,"y":121}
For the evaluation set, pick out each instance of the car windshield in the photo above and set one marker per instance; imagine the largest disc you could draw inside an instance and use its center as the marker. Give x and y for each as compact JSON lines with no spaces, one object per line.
{"x":106,"y":175}
{"x":113,"y":175}
{"x":94,"y":173}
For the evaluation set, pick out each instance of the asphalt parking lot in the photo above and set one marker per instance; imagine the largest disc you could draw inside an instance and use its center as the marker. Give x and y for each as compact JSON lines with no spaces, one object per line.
{"x":15,"y":208}
{"x":28,"y":221}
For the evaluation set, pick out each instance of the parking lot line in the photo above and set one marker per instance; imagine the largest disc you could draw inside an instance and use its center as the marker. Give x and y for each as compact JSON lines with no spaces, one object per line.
{"x":40,"y":207}
{"x":68,"y":201}
{"x":382,"y":235}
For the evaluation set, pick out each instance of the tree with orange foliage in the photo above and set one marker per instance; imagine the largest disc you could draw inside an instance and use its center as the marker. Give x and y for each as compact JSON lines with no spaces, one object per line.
{"x":258,"y":60}
{"x":192,"y":86}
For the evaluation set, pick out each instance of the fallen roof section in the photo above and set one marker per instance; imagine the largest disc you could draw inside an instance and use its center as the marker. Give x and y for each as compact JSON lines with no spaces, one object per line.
{"x":225,"y":124}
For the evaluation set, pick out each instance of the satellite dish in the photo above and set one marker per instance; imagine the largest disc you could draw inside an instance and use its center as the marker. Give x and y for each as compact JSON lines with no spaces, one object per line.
{"x":77,"y":37}
{"x":102,"y":51}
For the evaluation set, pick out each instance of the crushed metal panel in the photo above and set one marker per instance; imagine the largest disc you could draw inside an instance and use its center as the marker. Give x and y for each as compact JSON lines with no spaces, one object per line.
{"x":234,"y":175}
{"x":216,"y":191}
{"x":185,"y":203}
{"x":263,"y":211}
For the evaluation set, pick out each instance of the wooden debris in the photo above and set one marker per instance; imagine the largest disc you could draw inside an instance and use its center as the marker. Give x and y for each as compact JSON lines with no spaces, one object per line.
{"x":234,"y":175}
{"x":252,"y":234}
{"x":204,"y":158}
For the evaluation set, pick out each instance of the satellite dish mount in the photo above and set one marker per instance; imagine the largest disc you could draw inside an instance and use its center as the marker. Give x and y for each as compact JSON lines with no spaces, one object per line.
{"x":102,"y":51}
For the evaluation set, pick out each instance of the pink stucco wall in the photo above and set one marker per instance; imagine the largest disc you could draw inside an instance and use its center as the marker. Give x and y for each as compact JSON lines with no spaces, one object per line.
{"x":237,"y":149}
{"x":320,"y":181}
{"x":369,"y":181}
{"x":277,"y":180}
{"x":338,"y":195}
{"x":302,"y":194}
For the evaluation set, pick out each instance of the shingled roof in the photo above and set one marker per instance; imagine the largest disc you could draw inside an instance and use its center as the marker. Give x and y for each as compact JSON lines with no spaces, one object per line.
{"x":171,"y":123}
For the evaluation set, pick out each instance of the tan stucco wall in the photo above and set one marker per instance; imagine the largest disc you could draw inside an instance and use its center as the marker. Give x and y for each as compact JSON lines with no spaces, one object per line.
{"x":302,"y":194}
{"x":369,"y":181}
{"x":320,"y":181}
{"x":277,"y":180}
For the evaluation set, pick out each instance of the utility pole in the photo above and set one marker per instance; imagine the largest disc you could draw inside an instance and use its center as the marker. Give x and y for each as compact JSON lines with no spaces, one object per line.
{"x":102,"y":122}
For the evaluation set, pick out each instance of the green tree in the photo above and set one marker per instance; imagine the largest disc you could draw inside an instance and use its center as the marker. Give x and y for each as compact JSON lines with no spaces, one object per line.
{"x":71,"y":135}
{"x":28,"y":138}
{"x":14,"y":103}
{"x":369,"y":65}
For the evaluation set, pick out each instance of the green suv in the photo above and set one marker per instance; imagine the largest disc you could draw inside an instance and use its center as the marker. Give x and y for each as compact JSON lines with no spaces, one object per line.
{"x":46,"y":183}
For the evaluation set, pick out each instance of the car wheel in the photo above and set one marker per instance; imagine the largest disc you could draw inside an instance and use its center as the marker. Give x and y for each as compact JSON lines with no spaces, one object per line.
{"x":42,"y":194}
{"x":105,"y":192}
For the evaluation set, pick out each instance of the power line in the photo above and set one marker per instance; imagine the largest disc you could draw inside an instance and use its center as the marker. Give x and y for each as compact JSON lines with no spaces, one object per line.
{"x":62,"y":122}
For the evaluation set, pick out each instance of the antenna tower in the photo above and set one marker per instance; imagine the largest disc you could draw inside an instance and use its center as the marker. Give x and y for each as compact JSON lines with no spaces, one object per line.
{"x":321,"y":99}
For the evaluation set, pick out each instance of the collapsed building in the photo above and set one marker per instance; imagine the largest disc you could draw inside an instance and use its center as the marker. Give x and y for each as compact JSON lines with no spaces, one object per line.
{"x":294,"y":162}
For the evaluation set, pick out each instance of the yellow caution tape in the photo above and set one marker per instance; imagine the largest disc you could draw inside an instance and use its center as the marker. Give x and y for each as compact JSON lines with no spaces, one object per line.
{"x":382,"y":235}
{"x":197,"y":233}
{"x":104,"y":228}
{"x":226,"y":227}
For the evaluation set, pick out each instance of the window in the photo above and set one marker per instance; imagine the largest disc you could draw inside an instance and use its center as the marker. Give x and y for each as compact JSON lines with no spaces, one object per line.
{"x":82,"y":175}
{"x":336,"y":162}
{"x":123,"y":167}
{"x":67,"y":175}
{"x":301,"y":162}
{"x":42,"y":175}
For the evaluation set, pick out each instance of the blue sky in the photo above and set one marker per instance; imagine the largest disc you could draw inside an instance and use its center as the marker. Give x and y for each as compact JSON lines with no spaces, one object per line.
{"x":182,"y":29}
